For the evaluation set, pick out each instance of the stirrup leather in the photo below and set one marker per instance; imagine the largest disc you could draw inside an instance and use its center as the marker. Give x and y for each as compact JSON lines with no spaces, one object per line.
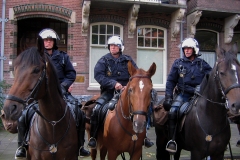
{"x":94,"y":140}
{"x":24,"y":150}
{"x":170,"y":150}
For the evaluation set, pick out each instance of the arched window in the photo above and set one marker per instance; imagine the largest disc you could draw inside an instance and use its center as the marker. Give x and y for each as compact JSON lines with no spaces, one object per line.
{"x":207,"y":41}
{"x":236,"y":39}
{"x":151,"y":47}
{"x":100,"y":32}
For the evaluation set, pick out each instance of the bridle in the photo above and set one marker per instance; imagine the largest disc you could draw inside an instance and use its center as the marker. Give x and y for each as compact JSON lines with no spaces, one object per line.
{"x":131,"y":112}
{"x":224,"y":92}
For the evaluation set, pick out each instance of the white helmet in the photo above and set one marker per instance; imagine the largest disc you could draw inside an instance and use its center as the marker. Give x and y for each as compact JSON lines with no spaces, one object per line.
{"x":49,"y":33}
{"x":117,"y":41}
{"x":191,"y":42}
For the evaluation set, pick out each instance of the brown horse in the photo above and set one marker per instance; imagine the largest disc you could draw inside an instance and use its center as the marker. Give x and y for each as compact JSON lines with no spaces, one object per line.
{"x":125,"y":127}
{"x":53,"y":133}
{"x":206,"y":131}
{"x":87,"y":108}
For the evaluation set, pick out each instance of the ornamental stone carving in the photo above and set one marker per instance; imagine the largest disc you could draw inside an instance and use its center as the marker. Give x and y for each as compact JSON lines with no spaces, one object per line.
{"x":176,"y":21}
{"x":85,"y":17}
{"x":230,"y":23}
{"x":192,"y":20}
{"x":132,"y":18}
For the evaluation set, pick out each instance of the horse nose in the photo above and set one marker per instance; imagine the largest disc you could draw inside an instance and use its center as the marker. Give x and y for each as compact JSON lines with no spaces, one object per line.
{"x":236,"y":108}
{"x":139,"y":126}
{"x":10,"y":111}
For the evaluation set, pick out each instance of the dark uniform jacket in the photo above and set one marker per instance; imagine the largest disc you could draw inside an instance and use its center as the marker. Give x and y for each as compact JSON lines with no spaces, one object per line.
{"x":109,"y":70}
{"x":65,"y":71}
{"x":186,"y":75}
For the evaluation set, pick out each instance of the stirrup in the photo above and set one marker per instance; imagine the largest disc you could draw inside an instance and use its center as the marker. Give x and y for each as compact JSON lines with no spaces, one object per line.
{"x":91,"y":146}
{"x":171,"y":151}
{"x":22,"y":158}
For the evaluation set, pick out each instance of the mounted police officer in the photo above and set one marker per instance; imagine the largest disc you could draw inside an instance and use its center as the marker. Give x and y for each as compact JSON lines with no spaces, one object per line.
{"x":186,"y":74}
{"x":111,"y":72}
{"x":66,"y":74}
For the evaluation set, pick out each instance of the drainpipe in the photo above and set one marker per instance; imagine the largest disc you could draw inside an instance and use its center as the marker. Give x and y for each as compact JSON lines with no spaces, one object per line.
{"x":2,"y":58}
{"x":181,"y":38}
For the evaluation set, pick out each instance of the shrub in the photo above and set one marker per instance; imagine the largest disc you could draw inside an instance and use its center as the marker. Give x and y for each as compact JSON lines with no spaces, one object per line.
{"x":3,"y":87}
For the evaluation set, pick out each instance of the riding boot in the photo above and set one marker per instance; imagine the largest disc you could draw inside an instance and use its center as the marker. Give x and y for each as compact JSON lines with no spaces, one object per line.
{"x":81,"y":136}
{"x":93,"y":133}
{"x":21,"y":152}
{"x":172,"y":145}
{"x":113,"y":101}
{"x":148,"y":143}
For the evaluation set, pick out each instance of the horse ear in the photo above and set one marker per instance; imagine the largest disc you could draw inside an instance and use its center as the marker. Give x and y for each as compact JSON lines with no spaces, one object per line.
{"x":220,"y":52}
{"x":131,"y":68}
{"x":152,"y":69}
{"x":23,"y":44}
{"x":234,"y":49}
{"x":40,"y":45}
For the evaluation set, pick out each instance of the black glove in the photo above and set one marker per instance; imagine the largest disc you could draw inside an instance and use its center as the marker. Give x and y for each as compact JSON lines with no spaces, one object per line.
{"x":167,"y":104}
{"x":64,"y":90}
{"x":197,"y":89}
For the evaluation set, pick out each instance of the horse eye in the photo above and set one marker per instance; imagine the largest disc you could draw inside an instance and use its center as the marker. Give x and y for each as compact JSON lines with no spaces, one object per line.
{"x":36,"y":70}
{"x":130,"y":90}
{"x":222,"y":73}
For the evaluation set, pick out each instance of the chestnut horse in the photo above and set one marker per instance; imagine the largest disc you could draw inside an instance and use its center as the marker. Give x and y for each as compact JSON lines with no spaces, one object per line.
{"x":206,"y":131}
{"x":87,"y":108}
{"x":124,"y":128}
{"x":53,"y":133}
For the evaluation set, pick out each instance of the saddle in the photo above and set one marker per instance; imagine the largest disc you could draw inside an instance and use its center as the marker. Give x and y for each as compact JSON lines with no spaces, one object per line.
{"x":184,"y":110}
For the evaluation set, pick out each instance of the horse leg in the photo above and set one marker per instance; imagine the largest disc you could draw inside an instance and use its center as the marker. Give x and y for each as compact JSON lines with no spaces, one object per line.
{"x":93,"y":154}
{"x":195,"y":155}
{"x":219,"y":156}
{"x":161,"y":141}
{"x":112,"y":154}
{"x":103,"y":152}
{"x":137,"y":154}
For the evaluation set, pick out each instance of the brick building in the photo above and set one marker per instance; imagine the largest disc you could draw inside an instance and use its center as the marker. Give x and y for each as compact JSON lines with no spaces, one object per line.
{"x":151,"y":30}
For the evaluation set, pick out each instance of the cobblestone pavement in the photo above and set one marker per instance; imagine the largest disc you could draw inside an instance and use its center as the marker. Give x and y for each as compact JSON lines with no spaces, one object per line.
{"x":8,"y":146}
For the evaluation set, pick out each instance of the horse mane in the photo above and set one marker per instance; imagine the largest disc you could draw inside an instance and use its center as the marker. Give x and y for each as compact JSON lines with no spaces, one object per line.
{"x":204,"y":82}
{"x":32,"y":57}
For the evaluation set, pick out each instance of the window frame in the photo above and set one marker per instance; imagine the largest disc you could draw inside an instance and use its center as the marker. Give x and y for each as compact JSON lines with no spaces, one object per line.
{"x":92,"y":85}
{"x":157,"y":86}
{"x":208,"y":30}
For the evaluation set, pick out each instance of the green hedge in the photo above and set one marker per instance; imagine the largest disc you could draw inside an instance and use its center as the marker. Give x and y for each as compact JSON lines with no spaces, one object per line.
{"x":3,"y":87}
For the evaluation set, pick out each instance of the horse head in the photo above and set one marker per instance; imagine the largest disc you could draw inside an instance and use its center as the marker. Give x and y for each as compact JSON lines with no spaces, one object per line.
{"x":139,"y":95}
{"x":227,"y":76}
{"x":30,"y":80}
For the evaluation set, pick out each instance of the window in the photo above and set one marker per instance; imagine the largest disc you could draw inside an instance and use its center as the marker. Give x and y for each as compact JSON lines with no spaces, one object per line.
{"x":207,"y":41}
{"x":151,"y":47}
{"x":100,"y":32}
{"x":236,"y":39}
